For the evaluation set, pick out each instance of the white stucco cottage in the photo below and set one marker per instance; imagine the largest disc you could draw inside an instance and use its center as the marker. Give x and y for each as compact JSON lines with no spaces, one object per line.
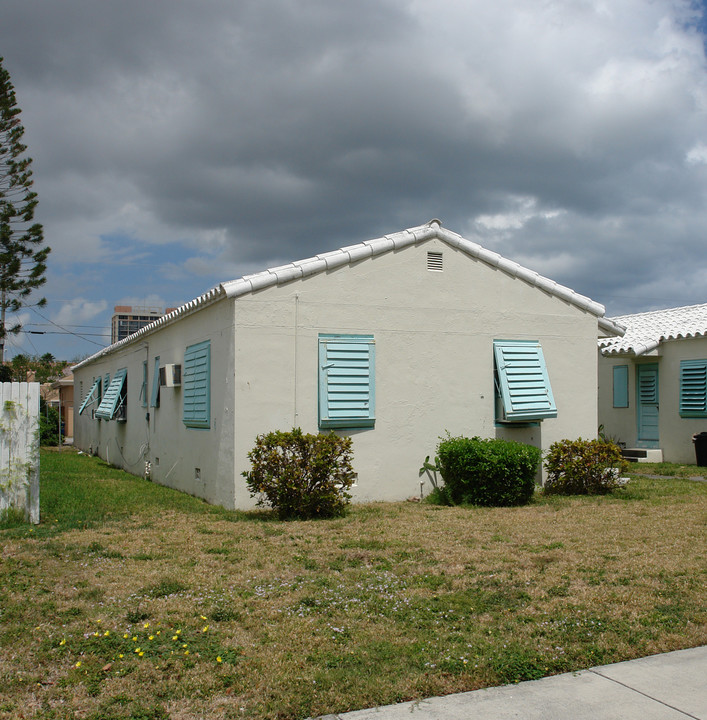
{"x":653,"y":383}
{"x":393,"y":341}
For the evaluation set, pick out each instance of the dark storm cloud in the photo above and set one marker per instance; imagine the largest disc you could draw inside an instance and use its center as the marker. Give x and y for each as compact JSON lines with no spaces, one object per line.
{"x":567,"y":135}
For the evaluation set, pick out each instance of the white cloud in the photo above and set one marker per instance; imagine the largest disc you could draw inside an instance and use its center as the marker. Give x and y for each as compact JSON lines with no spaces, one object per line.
{"x":78,"y":310}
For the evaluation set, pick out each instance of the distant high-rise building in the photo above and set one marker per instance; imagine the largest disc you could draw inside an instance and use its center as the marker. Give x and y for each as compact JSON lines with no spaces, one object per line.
{"x":128,"y":320}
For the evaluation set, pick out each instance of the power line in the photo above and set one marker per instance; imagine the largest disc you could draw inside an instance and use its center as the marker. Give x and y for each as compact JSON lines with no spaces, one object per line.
{"x":68,"y":332}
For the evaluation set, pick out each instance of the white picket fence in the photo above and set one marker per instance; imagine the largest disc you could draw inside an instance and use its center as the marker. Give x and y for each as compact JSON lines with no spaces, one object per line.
{"x":19,"y":448}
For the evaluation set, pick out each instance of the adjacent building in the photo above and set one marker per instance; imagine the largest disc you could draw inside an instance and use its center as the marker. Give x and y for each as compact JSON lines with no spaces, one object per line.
{"x":653,"y":383}
{"x":127,"y":320}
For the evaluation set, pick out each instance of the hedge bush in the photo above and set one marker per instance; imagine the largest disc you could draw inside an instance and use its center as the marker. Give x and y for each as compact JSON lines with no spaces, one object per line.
{"x":301,"y":475}
{"x":583,"y":467}
{"x":486,"y":472}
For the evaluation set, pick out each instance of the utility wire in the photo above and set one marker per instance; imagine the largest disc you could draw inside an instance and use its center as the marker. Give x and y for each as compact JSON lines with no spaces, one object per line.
{"x":67,"y":331}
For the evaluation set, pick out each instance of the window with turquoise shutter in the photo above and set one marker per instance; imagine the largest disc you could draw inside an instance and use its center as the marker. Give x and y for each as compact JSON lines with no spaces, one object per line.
{"x":94,"y":395}
{"x":522,"y":382}
{"x":196,"y":385}
{"x":143,"y":387}
{"x":620,"y":386}
{"x":155,"y":395}
{"x":347,"y":395}
{"x":113,"y":403}
{"x":693,"y":388}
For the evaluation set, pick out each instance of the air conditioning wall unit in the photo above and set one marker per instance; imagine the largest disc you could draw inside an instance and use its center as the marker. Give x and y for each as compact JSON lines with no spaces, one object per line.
{"x":171,"y":375}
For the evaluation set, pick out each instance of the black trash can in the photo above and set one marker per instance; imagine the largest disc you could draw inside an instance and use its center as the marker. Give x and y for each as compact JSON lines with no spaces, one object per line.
{"x":700,"y":440}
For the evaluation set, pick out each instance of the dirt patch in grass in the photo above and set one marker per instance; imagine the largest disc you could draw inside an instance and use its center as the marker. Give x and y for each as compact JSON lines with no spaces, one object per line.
{"x":177,"y":610}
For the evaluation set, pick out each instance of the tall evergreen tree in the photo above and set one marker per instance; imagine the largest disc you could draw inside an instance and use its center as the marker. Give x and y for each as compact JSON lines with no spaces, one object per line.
{"x":23,"y":255}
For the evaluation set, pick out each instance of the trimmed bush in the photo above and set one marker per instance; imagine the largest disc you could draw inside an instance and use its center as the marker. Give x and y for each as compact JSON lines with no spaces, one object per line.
{"x":486,"y":472}
{"x":301,"y":475}
{"x":583,"y":467}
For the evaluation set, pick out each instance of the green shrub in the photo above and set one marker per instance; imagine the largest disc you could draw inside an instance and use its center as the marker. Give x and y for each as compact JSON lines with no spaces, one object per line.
{"x":486,"y":472}
{"x":583,"y":467}
{"x":48,"y":425}
{"x":301,"y":475}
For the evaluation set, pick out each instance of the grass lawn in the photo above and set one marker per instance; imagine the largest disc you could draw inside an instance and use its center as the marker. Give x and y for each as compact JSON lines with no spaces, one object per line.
{"x":131,"y":600}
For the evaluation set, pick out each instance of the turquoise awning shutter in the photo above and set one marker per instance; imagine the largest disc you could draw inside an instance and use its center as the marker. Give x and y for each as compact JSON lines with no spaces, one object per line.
{"x":196,"y":380}
{"x":111,"y":398}
{"x":346,"y":381}
{"x":155,"y":397}
{"x":523,"y":380}
{"x":93,"y":396}
{"x":693,"y":388}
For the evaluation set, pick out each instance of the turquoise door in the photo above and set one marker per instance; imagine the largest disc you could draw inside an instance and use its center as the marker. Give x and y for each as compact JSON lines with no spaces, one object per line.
{"x":647,"y":393}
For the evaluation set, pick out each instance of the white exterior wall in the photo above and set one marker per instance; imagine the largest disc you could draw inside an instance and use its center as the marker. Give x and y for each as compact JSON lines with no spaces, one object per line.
{"x":174,"y":450}
{"x":434,"y":335}
{"x":675,"y":432}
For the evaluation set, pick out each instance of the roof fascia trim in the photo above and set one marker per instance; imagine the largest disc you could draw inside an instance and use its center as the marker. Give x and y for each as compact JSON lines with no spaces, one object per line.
{"x":208,"y":298}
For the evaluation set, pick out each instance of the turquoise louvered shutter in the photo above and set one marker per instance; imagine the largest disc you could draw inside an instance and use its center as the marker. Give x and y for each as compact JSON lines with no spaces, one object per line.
{"x":93,"y":396}
{"x":346,"y":381}
{"x":143,"y":387}
{"x":693,"y":388}
{"x":196,"y":379}
{"x":523,"y":381}
{"x":620,"y":386}
{"x":155,"y":396}
{"x":113,"y":396}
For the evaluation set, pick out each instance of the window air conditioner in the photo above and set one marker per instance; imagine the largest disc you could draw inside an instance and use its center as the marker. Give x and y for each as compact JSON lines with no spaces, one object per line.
{"x":171,"y":375}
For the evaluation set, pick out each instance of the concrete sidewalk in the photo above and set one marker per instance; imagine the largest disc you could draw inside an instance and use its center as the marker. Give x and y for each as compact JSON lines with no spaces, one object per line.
{"x":672,"y":686}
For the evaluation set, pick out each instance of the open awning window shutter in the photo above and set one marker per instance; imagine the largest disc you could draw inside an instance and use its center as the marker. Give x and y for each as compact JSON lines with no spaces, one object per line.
{"x":94,"y":395}
{"x":111,"y":398}
{"x":523,"y":381}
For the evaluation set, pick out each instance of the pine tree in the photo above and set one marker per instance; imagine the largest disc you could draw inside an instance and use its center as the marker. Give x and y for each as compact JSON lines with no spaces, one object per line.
{"x":22,"y":253}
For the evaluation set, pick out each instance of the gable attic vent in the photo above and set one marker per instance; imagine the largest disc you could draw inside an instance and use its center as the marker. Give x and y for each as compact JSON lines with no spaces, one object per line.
{"x":434,"y":261}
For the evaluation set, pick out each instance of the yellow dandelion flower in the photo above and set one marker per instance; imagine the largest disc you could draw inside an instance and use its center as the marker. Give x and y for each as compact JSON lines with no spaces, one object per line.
{"x":178,"y":632}
{"x":99,"y":621}
{"x":78,"y":664}
{"x":159,"y":632}
{"x":140,"y":654}
{"x":146,"y":625}
{"x":106,"y":633}
{"x":126,"y":636}
{"x":185,"y":645}
{"x":120,"y":655}
{"x":152,"y":637}
{"x":186,"y":652}
{"x":203,"y":617}
{"x":175,"y":637}
{"x":134,"y":638}
{"x":218,"y":659}
{"x":205,"y":628}
{"x":63,"y":641}
{"x":136,"y":650}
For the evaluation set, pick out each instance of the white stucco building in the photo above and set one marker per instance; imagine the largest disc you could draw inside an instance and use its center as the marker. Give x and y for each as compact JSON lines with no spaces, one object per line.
{"x":393,"y":341}
{"x":653,"y":383}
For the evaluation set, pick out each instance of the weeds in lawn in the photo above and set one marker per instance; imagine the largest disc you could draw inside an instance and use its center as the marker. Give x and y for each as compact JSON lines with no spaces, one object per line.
{"x":134,"y":601}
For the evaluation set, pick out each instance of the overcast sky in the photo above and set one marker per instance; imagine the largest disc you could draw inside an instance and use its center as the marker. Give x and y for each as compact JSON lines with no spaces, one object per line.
{"x":178,"y":144}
